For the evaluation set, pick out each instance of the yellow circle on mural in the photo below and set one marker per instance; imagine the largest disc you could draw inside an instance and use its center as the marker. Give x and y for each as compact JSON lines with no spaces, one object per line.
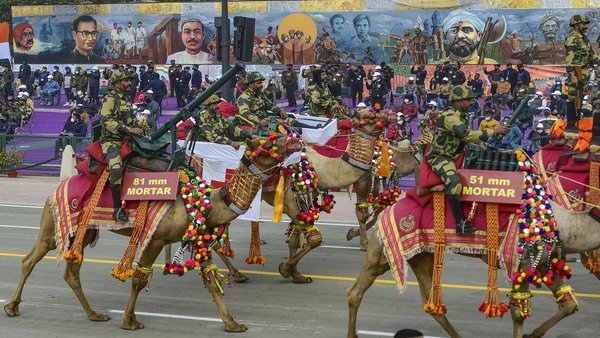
{"x":297,"y":22}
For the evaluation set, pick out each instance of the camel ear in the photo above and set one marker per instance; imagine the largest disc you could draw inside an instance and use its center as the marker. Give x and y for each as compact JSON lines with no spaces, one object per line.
{"x":252,"y":143}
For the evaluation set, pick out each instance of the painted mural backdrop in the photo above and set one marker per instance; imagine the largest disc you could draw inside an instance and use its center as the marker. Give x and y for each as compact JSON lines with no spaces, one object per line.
{"x":104,"y":34}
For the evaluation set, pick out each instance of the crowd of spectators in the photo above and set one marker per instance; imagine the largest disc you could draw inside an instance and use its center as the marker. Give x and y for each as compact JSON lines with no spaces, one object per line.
{"x":418,"y":101}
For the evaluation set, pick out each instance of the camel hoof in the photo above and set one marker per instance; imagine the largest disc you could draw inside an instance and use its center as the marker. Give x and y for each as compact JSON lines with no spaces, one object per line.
{"x":350,"y":234}
{"x":302,"y":280}
{"x":284,"y":270}
{"x":98,"y":317}
{"x":239,"y":278}
{"x":132,"y":324}
{"x":352,"y":335}
{"x":235,"y":327}
{"x":12,"y":309}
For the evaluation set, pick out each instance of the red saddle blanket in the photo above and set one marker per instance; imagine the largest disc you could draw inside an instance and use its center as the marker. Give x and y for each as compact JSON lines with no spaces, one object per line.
{"x":337,"y":145}
{"x":568,"y":181}
{"x":406,"y":229}
{"x":70,"y":199}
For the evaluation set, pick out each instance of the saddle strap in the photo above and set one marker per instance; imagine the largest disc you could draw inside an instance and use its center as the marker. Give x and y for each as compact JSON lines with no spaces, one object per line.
{"x":355,"y":163}
{"x":226,"y":197}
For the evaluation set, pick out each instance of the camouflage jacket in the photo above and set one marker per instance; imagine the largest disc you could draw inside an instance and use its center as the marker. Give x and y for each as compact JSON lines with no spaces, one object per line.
{"x":289,"y":77}
{"x":116,"y":116}
{"x":218,"y":130}
{"x":321,"y":100}
{"x":579,"y":51}
{"x":451,"y":134}
{"x":253,"y":107}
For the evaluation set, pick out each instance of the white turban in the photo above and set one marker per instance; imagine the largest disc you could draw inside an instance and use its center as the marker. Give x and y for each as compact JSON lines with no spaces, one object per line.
{"x":460,"y":15}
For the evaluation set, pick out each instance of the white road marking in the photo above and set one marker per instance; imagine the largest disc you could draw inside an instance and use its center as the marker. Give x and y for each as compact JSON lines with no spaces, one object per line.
{"x":344,"y":224}
{"x":166,"y":315}
{"x":384,"y":334}
{"x":18,"y":227}
{"x":376,"y":333}
{"x":2,"y":300}
{"x":22,"y":206}
{"x":339,"y":247}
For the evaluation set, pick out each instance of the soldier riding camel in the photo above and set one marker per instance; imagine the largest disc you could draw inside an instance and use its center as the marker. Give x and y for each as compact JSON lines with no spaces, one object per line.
{"x":452,"y":133}
{"x":118,"y":124}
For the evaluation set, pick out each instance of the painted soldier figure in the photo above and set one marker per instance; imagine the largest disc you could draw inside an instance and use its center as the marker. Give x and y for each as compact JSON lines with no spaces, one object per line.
{"x":579,"y":61}
{"x":118,"y":123}
{"x":420,"y":43}
{"x":213,"y":127}
{"x":452,"y":133}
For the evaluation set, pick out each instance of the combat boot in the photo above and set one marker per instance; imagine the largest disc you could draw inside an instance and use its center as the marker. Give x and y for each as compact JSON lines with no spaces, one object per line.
{"x":462,"y":226}
{"x":572,"y":118}
{"x":120,"y":214}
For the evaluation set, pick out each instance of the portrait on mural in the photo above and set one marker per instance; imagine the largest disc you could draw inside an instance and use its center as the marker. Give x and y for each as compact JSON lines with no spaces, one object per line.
{"x":530,"y":36}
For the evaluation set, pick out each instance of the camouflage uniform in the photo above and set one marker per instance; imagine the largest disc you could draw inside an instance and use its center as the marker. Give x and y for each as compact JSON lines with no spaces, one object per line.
{"x":579,"y":54}
{"x":451,"y":134}
{"x":116,"y":117}
{"x":321,"y":100}
{"x":253,"y":106}
{"x":217,"y":129}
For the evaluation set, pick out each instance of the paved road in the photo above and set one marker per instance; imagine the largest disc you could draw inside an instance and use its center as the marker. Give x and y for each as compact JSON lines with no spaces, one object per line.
{"x":270,"y":305}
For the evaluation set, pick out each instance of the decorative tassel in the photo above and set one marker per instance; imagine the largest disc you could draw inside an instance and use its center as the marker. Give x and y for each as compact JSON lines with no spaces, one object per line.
{"x":226,"y":249}
{"x":74,"y":255}
{"x":123,"y":270}
{"x":385,"y":169}
{"x":435,"y":304}
{"x":491,"y":306}
{"x":278,"y":204}
{"x":255,"y":256}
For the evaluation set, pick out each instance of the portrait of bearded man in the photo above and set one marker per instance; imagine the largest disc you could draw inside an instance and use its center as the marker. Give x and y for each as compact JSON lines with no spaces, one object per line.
{"x":463,"y":32}
{"x":23,"y":34}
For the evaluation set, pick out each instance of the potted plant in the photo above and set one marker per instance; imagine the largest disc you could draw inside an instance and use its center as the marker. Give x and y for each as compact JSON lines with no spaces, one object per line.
{"x":10,"y":161}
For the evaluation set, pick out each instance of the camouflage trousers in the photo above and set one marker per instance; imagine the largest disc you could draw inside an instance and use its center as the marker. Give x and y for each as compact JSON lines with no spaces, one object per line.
{"x":572,"y":83}
{"x":445,"y":169}
{"x":112,"y":154}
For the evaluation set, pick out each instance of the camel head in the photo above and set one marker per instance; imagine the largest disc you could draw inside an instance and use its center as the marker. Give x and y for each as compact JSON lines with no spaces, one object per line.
{"x":370,"y":121}
{"x":269,"y":152}
{"x":406,"y":162}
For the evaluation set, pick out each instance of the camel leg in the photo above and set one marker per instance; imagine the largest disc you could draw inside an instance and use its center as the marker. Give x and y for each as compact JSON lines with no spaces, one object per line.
{"x":422,"y":266}
{"x":565,"y":308}
{"x":71,"y":276}
{"x":238,"y":277}
{"x":375,"y":265}
{"x":290,"y":268}
{"x":138,"y":282}
{"x":362,"y":188}
{"x":45,"y":242}
{"x":210,"y":281}
{"x":515,"y":313}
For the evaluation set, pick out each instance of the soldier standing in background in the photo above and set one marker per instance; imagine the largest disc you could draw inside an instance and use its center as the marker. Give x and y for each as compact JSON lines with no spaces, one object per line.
{"x":452,"y":133}
{"x":290,"y":82}
{"x":579,"y":61}
{"x":118,"y":122}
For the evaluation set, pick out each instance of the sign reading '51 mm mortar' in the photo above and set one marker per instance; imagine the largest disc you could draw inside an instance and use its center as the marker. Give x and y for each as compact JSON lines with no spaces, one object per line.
{"x":489,"y":186}
{"x":150,"y":186}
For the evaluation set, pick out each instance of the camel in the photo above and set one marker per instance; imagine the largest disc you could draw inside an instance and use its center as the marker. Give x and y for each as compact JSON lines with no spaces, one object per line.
{"x":332,"y":173}
{"x":169,"y":230}
{"x":406,"y":161}
{"x":578,"y":231}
